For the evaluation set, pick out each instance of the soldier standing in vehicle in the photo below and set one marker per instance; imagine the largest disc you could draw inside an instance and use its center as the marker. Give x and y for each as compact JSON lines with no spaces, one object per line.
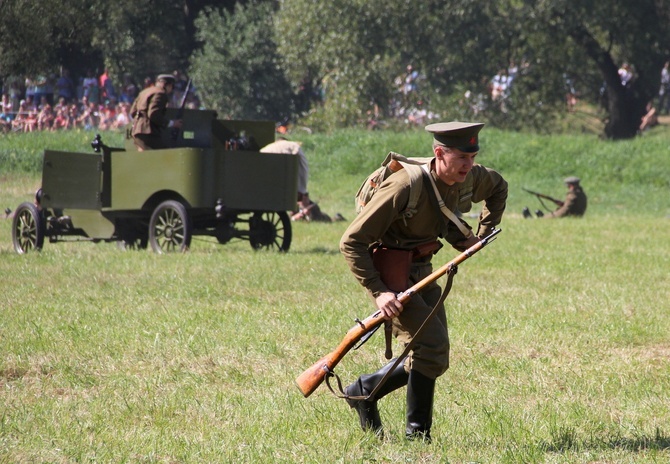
{"x":149,"y":114}
{"x":381,"y":226}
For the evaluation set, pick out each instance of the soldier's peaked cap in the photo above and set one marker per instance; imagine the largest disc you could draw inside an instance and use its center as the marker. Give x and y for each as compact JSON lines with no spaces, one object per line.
{"x":169,"y":78}
{"x":572,"y":180}
{"x":461,"y":135}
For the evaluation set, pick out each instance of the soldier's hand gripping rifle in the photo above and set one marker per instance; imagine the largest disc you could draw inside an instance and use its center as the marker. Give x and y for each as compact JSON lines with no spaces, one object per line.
{"x":540,"y":196}
{"x":180,"y":112}
{"x":310,"y":380}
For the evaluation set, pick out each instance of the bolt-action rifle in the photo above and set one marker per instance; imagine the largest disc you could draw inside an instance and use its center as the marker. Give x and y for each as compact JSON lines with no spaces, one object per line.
{"x":180,"y":112}
{"x":310,"y":380}
{"x":540,"y":196}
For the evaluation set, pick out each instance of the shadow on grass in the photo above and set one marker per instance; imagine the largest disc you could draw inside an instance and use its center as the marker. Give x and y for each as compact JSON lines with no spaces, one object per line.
{"x":318,"y":250}
{"x":566,"y":440}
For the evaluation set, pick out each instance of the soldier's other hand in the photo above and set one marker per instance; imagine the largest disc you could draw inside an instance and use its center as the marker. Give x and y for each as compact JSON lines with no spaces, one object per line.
{"x":177,"y":124}
{"x":389,"y":305}
{"x":467,"y":243}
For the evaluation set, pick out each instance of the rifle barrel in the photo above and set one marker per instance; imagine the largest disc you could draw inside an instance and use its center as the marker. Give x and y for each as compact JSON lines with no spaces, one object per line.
{"x":542,"y":195}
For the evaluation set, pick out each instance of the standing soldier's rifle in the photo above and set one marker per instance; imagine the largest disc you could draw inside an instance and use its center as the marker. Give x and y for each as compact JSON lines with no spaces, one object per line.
{"x":174,"y":134}
{"x":310,"y":379}
{"x":540,"y":196}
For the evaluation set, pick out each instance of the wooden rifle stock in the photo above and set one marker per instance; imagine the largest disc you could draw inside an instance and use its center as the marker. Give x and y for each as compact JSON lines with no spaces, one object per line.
{"x":310,"y":379}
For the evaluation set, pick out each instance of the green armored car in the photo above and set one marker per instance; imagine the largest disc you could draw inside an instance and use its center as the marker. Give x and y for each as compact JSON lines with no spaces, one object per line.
{"x":212,"y":180}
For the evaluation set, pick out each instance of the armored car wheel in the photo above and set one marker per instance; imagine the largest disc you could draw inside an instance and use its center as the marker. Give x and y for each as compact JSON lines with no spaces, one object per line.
{"x":269,"y":230}
{"x":170,"y":228}
{"x":27,"y":228}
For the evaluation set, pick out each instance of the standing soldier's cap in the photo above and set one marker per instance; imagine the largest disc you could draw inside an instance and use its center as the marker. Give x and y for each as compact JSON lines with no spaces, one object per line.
{"x":168,"y":78}
{"x":572,"y":180}
{"x":460,"y":135}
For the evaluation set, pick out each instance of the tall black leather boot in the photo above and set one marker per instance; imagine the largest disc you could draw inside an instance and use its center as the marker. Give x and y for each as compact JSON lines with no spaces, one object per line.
{"x":368,"y":412}
{"x":420,"y":394}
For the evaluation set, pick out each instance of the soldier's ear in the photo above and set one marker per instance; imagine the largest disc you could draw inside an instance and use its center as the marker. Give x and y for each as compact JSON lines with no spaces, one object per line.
{"x":439,"y":151}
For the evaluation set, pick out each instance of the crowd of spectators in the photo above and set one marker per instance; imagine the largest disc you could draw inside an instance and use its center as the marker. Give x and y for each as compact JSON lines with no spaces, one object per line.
{"x":50,"y":103}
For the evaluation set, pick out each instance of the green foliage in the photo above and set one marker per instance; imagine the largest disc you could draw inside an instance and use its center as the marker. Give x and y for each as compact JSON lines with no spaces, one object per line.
{"x":238,"y":71}
{"x":338,"y":64}
{"x":141,"y":39}
{"x":594,"y":30}
{"x":38,"y":37}
{"x":352,"y":52}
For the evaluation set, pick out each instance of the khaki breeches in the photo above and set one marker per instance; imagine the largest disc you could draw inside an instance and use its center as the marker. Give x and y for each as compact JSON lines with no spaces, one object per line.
{"x":430,"y":353}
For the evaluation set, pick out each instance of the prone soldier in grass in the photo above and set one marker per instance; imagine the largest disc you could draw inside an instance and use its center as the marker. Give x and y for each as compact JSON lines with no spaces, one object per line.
{"x":388,"y":250}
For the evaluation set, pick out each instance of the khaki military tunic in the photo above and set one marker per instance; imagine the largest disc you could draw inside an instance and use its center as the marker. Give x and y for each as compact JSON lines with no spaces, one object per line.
{"x":382,"y":221}
{"x":574,"y":204}
{"x":149,"y":117}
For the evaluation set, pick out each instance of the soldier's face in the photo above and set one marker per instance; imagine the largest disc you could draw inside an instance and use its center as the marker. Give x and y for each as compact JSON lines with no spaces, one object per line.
{"x":453,"y":165}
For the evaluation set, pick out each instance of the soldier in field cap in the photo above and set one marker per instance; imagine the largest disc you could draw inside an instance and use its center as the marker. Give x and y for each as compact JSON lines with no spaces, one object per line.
{"x":149,"y":114}
{"x":463,"y":136}
{"x":574,"y":204}
{"x":381,"y":226}
{"x":575,"y":200}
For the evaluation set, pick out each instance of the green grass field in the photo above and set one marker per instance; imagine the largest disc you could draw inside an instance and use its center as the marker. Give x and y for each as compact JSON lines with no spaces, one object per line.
{"x":560,"y":330}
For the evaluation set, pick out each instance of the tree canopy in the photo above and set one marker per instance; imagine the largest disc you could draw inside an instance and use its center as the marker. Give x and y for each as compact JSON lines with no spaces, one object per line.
{"x":343,"y":63}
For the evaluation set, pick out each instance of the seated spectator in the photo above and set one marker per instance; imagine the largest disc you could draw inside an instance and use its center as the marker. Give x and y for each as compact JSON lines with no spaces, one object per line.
{"x":62,"y":119}
{"x":30,"y":103}
{"x":6,"y":113}
{"x":107,"y":116}
{"x":45,"y":117}
{"x":73,"y":116}
{"x":122,"y":117}
{"x":89,"y":116}
{"x":19,"y":119}
{"x":62,"y":103}
{"x":650,"y":119}
{"x":30,"y":122}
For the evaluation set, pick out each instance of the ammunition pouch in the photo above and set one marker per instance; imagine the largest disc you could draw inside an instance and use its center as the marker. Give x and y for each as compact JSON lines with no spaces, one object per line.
{"x":393,"y":267}
{"x":394,"y":264}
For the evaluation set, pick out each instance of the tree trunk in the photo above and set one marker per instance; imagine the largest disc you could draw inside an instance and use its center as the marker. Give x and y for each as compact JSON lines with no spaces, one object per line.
{"x":625,"y":109}
{"x":625,"y":113}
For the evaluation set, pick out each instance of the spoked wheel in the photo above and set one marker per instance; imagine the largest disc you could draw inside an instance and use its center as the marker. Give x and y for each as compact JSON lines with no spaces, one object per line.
{"x":27,"y":228}
{"x":170,"y":228}
{"x":269,"y":230}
